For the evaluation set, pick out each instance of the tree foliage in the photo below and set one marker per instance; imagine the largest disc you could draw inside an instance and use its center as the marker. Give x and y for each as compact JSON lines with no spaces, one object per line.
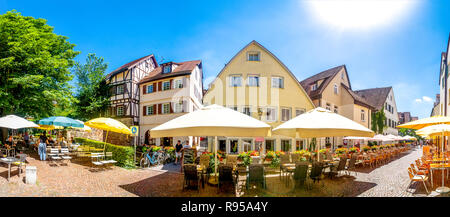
{"x":408,"y":132}
{"x":34,"y":67}
{"x":93,"y":92}
{"x":378,"y":121}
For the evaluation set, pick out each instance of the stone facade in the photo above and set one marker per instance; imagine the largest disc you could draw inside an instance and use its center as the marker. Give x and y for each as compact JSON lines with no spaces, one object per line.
{"x":95,"y":134}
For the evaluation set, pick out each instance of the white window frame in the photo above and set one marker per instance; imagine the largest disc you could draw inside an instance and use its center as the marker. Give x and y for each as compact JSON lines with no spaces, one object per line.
{"x":120,"y":87}
{"x":299,"y":111}
{"x":274,"y":115}
{"x":258,"y":55}
{"x":253,"y":81}
{"x":148,"y":109}
{"x":148,"y":88}
{"x":177,"y":83}
{"x":363,"y":115}
{"x":163,"y":108}
{"x":336,"y":89}
{"x":249,"y":110}
{"x":277,"y":82}
{"x":167,"y":69}
{"x":122,"y":108}
{"x":164,"y":85}
{"x":290,"y":114}
{"x":314,"y":87}
{"x":178,"y":107}
{"x":289,"y":142}
{"x":233,"y":82}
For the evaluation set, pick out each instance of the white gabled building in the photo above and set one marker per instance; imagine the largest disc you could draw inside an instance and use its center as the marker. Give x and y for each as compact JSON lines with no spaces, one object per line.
{"x":169,"y":91}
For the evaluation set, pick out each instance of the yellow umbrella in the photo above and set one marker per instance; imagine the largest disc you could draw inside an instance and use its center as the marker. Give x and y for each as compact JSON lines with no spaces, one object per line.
{"x":108,"y":124}
{"x":49,"y":127}
{"x":425,"y":122}
{"x":437,"y":130}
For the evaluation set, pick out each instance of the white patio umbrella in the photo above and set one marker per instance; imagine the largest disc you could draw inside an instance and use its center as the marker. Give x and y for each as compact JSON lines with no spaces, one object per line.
{"x":320,"y":122}
{"x":16,"y":122}
{"x":213,"y":120}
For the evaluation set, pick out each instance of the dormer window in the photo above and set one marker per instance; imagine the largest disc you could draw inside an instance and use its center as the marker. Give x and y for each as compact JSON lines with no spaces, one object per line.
{"x":314,"y":87}
{"x":167,"y":69}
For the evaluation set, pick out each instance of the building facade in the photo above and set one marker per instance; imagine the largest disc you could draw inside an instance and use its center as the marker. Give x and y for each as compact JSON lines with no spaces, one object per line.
{"x":125,"y":94}
{"x":255,"y":82}
{"x":169,"y":91}
{"x":381,"y":98}
{"x":436,"y":106}
{"x":331,"y":89}
{"x":405,"y":117}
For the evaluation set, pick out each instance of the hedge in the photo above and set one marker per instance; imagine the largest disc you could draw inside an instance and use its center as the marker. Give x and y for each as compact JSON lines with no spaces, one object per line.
{"x":124,"y":155}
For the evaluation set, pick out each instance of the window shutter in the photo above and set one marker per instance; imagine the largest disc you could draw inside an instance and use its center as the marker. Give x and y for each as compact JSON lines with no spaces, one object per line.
{"x":159,"y":86}
{"x":144,"y":111}
{"x":154,"y":109}
{"x":159,"y":108}
{"x":171,"y":104}
{"x":171,"y":84}
{"x":144,"y":89}
{"x":184,"y":82}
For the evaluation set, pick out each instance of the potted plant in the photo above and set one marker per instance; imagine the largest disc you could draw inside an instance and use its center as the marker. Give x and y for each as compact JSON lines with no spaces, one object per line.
{"x":353,"y":150}
{"x":245,"y":158}
{"x":374,"y":148}
{"x":270,"y":155}
{"x":340,"y":151}
{"x":366,"y":148}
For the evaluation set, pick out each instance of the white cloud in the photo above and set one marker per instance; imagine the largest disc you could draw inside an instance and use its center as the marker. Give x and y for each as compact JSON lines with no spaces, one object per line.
{"x":418,"y":100}
{"x":427,"y":99}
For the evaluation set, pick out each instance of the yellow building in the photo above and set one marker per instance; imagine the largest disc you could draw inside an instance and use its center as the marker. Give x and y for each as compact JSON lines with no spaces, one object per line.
{"x":331,"y":89}
{"x":258,"y":84}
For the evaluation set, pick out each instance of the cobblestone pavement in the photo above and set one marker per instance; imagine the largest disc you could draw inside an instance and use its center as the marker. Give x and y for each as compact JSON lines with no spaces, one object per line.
{"x":79,"y":179}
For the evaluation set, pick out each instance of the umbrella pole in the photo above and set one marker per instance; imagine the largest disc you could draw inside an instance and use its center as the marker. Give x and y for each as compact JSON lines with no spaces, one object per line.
{"x":215,"y":157}
{"x":106,"y":139}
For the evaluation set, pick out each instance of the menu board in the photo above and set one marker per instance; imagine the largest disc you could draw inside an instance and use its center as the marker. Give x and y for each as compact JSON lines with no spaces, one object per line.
{"x":188,"y":156}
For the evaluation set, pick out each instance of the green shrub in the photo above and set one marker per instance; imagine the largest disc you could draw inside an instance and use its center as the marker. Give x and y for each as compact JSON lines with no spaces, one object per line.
{"x":124,"y":155}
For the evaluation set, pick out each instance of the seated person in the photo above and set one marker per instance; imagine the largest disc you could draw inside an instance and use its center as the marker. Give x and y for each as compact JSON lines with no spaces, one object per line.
{"x":51,"y":142}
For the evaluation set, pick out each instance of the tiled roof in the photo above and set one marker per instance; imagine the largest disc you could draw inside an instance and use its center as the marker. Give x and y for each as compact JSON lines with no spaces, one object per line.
{"x":358,"y":99}
{"x":327,"y":76}
{"x":375,"y":96}
{"x":130,"y":64}
{"x":183,"y":68}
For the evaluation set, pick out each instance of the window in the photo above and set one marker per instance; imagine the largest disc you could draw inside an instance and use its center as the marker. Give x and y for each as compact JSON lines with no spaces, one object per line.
{"x":314,"y":87}
{"x":120,"y":89}
{"x":285,"y":114}
{"x":299,"y":112}
{"x":286,"y":145}
{"x":335,"y":89}
{"x":254,"y":56}
{"x":166,"y":85}
{"x":166,"y":108}
{"x":328,"y":107}
{"x":336,"y":109}
{"x":342,"y":75}
{"x":233,"y":107}
{"x":389,"y":122}
{"x":277,"y":82}
{"x":299,"y":145}
{"x":253,"y":81}
{"x":246,"y":110}
{"x":167,"y":69}
{"x":178,"y":83}
{"x":271,"y":114}
{"x":120,"y":111}
{"x":234,"y":146}
{"x":246,"y":145}
{"x":150,"y":110}
{"x":270,"y":145}
{"x":235,"y":80}
{"x":178,"y":107}
{"x":363,"y":115}
{"x":327,"y":140}
{"x":222,"y":145}
{"x":386,"y":106}
{"x":150,"y":88}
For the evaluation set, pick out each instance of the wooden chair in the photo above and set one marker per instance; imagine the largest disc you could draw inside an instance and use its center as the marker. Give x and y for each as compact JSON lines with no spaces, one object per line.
{"x":300,"y":173}
{"x":284,"y":161}
{"x":316,"y":171}
{"x":351,"y":165}
{"x":417,"y":178}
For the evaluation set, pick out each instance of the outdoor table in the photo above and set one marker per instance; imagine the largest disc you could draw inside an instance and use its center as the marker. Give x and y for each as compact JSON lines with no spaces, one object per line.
{"x":9,"y":161}
{"x":439,"y":166}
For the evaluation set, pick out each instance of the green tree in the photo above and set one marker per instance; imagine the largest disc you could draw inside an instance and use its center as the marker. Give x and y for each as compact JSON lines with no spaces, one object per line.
{"x":408,"y":132}
{"x":378,"y":121}
{"x":93,"y":93}
{"x":34,"y":67}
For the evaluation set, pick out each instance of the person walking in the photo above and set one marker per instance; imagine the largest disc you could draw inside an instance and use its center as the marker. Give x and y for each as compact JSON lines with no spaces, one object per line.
{"x":178,"y":149}
{"x":43,"y":141}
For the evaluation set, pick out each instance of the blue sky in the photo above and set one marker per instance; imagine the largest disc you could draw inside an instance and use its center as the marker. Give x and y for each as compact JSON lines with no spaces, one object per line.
{"x":404,"y":52}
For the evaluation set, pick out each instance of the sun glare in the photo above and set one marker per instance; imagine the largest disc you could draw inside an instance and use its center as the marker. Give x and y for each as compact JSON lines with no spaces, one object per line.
{"x":359,"y":13}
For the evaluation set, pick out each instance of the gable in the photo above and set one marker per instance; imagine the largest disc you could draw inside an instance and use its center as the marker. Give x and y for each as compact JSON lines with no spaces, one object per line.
{"x":269,"y":66}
